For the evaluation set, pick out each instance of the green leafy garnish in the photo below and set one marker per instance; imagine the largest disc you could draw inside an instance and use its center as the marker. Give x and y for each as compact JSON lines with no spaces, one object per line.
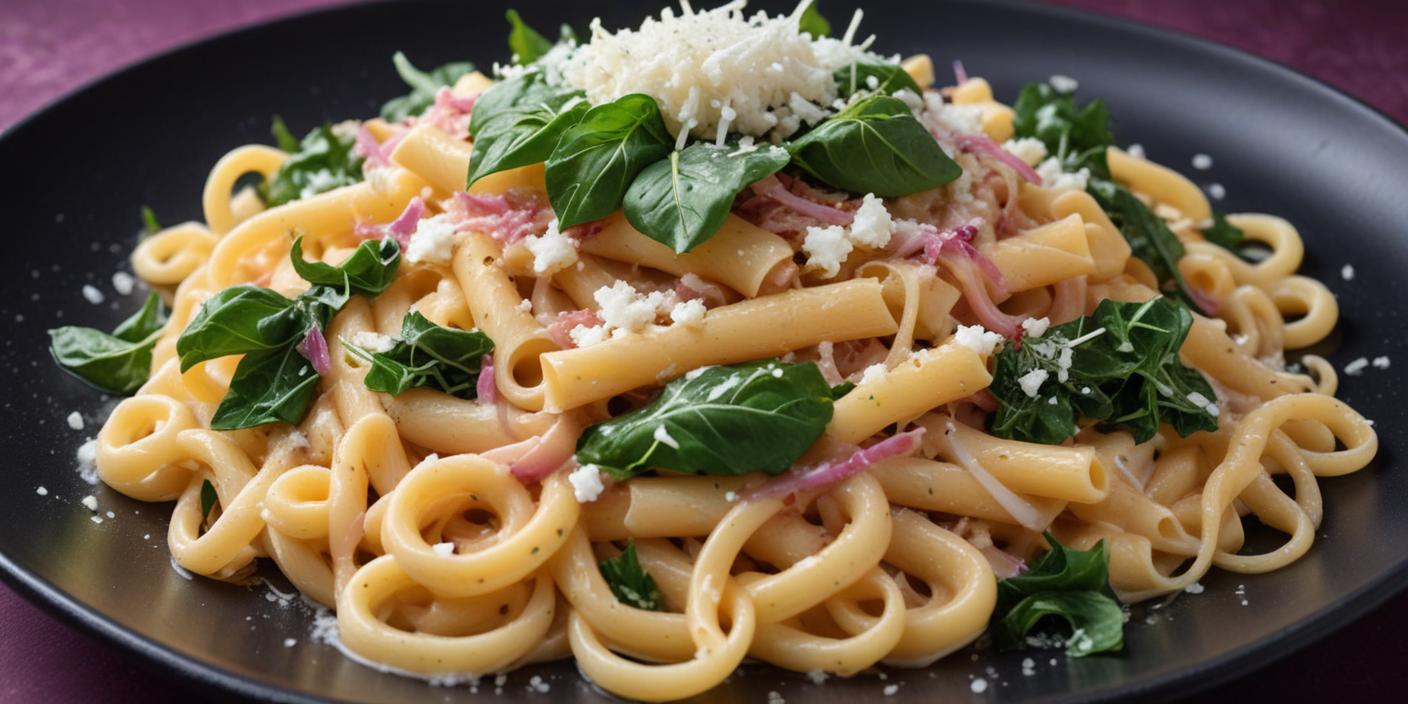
{"x":1119,"y":366}
{"x":874,"y":146}
{"x":150,"y":226}
{"x":889,"y":78}
{"x":631,"y":584}
{"x":1223,"y":233}
{"x":427,"y":355}
{"x":424,"y":85}
{"x":208,"y":498}
{"x":118,"y":363}
{"x":518,"y":122}
{"x":598,"y":158}
{"x":367,"y":272}
{"x":283,"y":138}
{"x":324,"y":160}
{"x":841,"y":389}
{"x":1063,"y":585}
{"x":813,"y":23}
{"x":756,"y":416}
{"x":238,"y":320}
{"x":683,"y":200}
{"x":524,"y":41}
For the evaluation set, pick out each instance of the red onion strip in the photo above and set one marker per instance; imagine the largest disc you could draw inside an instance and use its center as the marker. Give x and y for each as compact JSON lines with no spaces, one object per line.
{"x":553,"y":450}
{"x":981,"y":143}
{"x":484,"y":385}
{"x":773,"y":188}
{"x":314,"y":348}
{"x":831,"y":472}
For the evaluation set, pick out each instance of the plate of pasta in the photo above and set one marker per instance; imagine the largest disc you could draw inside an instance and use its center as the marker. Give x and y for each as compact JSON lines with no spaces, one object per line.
{"x":705,"y":352}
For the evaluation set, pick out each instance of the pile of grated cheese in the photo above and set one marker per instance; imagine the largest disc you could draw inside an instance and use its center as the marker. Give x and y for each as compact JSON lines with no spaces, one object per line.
{"x":719,"y":71}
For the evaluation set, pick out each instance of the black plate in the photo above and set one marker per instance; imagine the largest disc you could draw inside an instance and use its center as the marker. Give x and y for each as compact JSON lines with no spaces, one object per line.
{"x":74,"y":175}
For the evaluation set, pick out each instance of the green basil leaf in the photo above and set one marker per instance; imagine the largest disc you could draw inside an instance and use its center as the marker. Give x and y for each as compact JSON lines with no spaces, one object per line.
{"x":428,"y":355}
{"x":323,"y":161}
{"x":150,"y":226}
{"x":283,"y":138}
{"x":631,"y":584}
{"x":889,"y":78}
{"x":367,"y":272}
{"x":269,"y":386}
{"x":874,"y":146}
{"x":813,"y":23}
{"x":524,"y":41}
{"x":590,"y":169}
{"x":208,"y":498}
{"x":518,"y":122}
{"x":1095,"y":621}
{"x":841,"y":389}
{"x":1077,"y":136}
{"x":1223,"y":233}
{"x":423,"y":85}
{"x":1058,"y":569}
{"x":1148,"y":235}
{"x":757,"y":416}
{"x":683,"y":200}
{"x":117,"y":363}
{"x":237,"y":320}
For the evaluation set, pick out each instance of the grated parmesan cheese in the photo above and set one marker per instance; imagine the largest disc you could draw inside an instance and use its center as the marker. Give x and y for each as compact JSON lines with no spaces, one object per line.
{"x":586,"y":483}
{"x":1356,"y":367}
{"x":872,"y":224}
{"x":75,"y":420}
{"x":374,"y":342}
{"x":433,"y":242}
{"x":625,"y":309}
{"x":1064,"y":84}
{"x":123,"y":282}
{"x":978,"y":339}
{"x":92,"y":294}
{"x":1035,"y":327}
{"x":553,"y":251}
{"x":1031,"y":381}
{"x":826,"y":249}
{"x":1347,"y":272}
{"x":688,"y":312}
{"x":1028,"y":149}
{"x":1053,"y":177}
{"x":874,"y":372}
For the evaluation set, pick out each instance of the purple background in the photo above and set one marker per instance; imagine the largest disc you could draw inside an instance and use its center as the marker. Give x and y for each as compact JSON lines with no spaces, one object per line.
{"x":49,"y":47}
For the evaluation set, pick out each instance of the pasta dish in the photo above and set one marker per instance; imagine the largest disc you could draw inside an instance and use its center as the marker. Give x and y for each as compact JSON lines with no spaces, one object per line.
{"x":719,"y":337}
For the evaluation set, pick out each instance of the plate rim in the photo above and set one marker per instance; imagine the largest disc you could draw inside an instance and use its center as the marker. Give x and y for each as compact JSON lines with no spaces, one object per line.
{"x":1246,"y":660}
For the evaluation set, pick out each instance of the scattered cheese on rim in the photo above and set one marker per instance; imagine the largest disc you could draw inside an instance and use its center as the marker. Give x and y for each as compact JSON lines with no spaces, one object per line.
{"x":1202,"y":162}
{"x":1347,"y":272}
{"x":89,"y":502}
{"x":978,"y":686}
{"x":1135,"y":150}
{"x":123,"y":283}
{"x":890,"y":690}
{"x":75,"y":420}
{"x":92,"y":294}
{"x":1381,"y":362}
{"x":1356,"y":367}
{"x":1217,"y":191}
{"x":1064,"y":84}
{"x":977,"y":338}
{"x":553,"y":251}
{"x":41,"y":491}
{"x":433,"y":241}
{"x":586,"y":483}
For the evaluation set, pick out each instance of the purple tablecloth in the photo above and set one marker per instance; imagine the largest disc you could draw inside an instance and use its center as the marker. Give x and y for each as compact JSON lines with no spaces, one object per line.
{"x":48,"y":47}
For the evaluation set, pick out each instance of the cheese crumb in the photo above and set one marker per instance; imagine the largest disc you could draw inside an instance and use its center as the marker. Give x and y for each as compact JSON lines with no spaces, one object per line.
{"x":730,"y":496}
{"x":872,"y":224}
{"x":826,"y":249}
{"x":1381,"y":362}
{"x":290,"y":642}
{"x":123,"y":283}
{"x":92,"y":294}
{"x":874,"y":372}
{"x":1028,"y":149}
{"x":689,"y":312}
{"x":1194,"y":588}
{"x":552,"y":252}
{"x":374,"y":342}
{"x":525,"y":305}
{"x":1135,"y":150}
{"x":624,"y":308}
{"x":89,"y":502}
{"x":1347,"y":272}
{"x":1202,"y":162}
{"x":818,"y":676}
{"x":586,"y":483}
{"x":1035,"y":327}
{"x":1356,"y":367}
{"x":583,"y":336}
{"x":433,"y":242}
{"x":1217,"y":191}
{"x":1031,"y":381}
{"x":1055,"y":178}
{"x":977,"y":338}
{"x":443,"y":549}
{"x":41,"y":491}
{"x":978,"y":686}
{"x":75,"y":420}
{"x":890,"y":690}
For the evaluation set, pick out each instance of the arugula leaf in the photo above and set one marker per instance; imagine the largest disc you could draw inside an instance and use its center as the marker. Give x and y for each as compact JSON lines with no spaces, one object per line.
{"x":423,"y":85}
{"x":268,"y":386}
{"x":208,"y":498}
{"x":590,"y":169}
{"x":1223,"y":233}
{"x":323,"y":161}
{"x":1148,"y":235}
{"x":631,"y":584}
{"x":889,"y":78}
{"x":525,"y":42}
{"x":238,"y":320}
{"x":150,"y":226}
{"x":813,"y":23}
{"x":1078,"y":137}
{"x":283,"y":138}
{"x":756,"y":416}
{"x":428,"y":355}
{"x":1119,"y":366}
{"x":117,"y":363}
{"x":519,"y":122}
{"x":841,"y":389}
{"x":874,"y":146}
{"x":682,"y":201}
{"x":368,"y":271}
{"x":1062,"y":585}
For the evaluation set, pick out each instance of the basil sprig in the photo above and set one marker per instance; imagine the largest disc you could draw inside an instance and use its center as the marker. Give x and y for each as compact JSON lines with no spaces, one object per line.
{"x":813,"y":23}
{"x":324,"y":160}
{"x":424,"y":85}
{"x":874,"y":146}
{"x":427,"y":355}
{"x":889,"y":78}
{"x":1119,"y":366}
{"x":274,"y":382}
{"x":518,"y":122}
{"x":118,"y":363}
{"x":630,"y":582}
{"x":683,"y":200}
{"x":751,"y":417}
{"x":1063,"y":585}
{"x":590,"y":170}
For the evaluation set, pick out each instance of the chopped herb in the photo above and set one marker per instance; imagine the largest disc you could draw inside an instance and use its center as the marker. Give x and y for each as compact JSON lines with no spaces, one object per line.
{"x":427,"y":355}
{"x":1063,"y":587}
{"x":117,"y":363}
{"x":283,"y":138}
{"x":424,"y":86}
{"x":631,"y":584}
{"x":367,"y":272}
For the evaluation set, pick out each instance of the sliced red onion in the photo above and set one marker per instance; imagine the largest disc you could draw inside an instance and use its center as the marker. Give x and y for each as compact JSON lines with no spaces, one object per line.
{"x":553,"y":450}
{"x":1019,"y":508}
{"x":488,"y":391}
{"x":983,"y":398}
{"x":774,"y":189}
{"x":829,"y":473}
{"x":560,"y":330}
{"x":1003,"y":564}
{"x":982,"y":144}
{"x":959,"y":74}
{"x":368,"y":148}
{"x":447,"y":97}
{"x":405,"y":224}
{"x":1205,"y":303}
{"x":506,"y":219}
{"x":314,"y":348}
{"x":1067,"y":300}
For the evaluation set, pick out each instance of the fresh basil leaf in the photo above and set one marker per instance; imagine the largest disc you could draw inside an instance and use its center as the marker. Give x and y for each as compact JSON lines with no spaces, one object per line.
{"x":323,"y":161}
{"x":367,"y":272}
{"x":813,"y":23}
{"x":683,"y":200}
{"x":1119,"y":366}
{"x":874,"y":146}
{"x":237,"y":320}
{"x":519,"y":122}
{"x":428,"y":355}
{"x":1062,"y":585}
{"x":208,"y":498}
{"x":150,"y":226}
{"x":1148,"y":235}
{"x":117,"y":363}
{"x":889,"y":78}
{"x":631,"y":584}
{"x":1077,"y":136}
{"x":283,"y":138}
{"x":1223,"y":233}
{"x":1058,"y":569}
{"x":524,"y":41}
{"x":590,"y":169}
{"x":269,"y":386}
{"x":757,"y":416}
{"x":424,"y":86}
